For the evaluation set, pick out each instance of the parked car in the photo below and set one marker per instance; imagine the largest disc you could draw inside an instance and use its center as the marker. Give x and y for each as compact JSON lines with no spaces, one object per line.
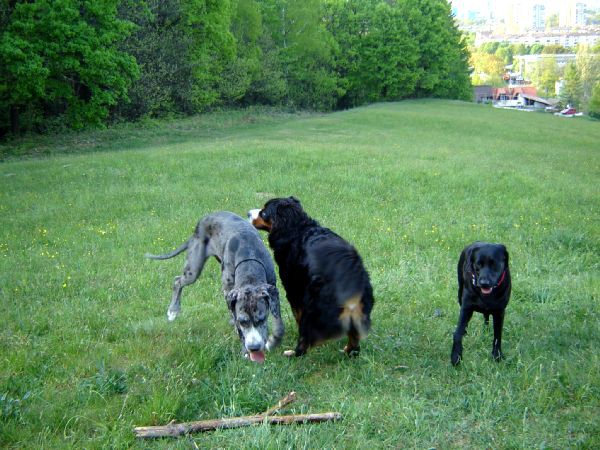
{"x":568,"y":112}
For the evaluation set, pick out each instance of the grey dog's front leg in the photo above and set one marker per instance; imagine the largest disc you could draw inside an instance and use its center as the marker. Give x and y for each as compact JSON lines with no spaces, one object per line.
{"x":196,"y":257}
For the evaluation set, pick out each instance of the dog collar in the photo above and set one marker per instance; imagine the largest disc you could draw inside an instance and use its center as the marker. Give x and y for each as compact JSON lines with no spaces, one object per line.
{"x":500,"y":281}
{"x":249,"y":259}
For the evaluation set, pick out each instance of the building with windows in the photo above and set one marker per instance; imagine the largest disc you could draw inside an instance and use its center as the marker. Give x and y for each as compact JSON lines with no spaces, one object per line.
{"x":539,"y":17}
{"x":571,"y":14}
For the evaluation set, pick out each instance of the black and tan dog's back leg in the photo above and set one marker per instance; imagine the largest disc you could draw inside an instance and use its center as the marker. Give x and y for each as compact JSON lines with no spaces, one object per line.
{"x":196,"y":257}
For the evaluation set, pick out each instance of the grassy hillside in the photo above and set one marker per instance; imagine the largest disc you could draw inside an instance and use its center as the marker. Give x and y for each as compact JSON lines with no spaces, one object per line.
{"x":87,"y":353}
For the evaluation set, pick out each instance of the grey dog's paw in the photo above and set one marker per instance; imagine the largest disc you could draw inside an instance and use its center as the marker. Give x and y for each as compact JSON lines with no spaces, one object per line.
{"x":171,"y":315}
{"x":289,"y":353}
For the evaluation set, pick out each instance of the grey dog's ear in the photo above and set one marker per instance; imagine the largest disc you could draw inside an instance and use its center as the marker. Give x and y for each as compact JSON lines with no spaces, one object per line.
{"x":232,"y":298}
{"x":273,"y":295}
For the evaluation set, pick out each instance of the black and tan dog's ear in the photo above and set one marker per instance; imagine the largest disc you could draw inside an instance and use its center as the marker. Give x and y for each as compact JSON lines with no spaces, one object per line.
{"x":294,"y":199}
{"x":232,"y":298}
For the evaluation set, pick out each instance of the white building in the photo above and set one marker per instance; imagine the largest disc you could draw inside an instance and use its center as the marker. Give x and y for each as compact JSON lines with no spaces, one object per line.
{"x":571,"y":13}
{"x":565,"y":39}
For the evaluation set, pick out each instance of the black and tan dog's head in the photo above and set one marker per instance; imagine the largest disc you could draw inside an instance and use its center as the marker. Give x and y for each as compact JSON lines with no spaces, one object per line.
{"x":250,"y":306}
{"x":487,"y":266}
{"x":277,"y":212}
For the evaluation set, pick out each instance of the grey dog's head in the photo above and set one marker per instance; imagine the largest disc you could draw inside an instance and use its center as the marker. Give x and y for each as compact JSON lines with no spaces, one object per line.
{"x":249,"y":306}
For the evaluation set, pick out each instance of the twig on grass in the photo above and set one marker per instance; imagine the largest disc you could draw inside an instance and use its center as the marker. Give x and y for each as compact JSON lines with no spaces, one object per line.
{"x":179,"y":429}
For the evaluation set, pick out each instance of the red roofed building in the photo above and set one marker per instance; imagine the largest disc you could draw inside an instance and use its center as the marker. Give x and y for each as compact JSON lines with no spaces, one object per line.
{"x":512,"y":93}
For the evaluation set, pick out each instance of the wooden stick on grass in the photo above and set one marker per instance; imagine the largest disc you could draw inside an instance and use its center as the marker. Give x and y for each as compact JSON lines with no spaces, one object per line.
{"x":179,"y":429}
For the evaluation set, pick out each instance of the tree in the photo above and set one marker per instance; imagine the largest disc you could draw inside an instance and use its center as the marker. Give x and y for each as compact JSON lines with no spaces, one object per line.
{"x":554,"y":49}
{"x":443,"y":55}
{"x":208,"y":24}
{"x":306,"y":51}
{"x":588,"y":67}
{"x":378,"y":58}
{"x":487,"y":69}
{"x":594,"y":103}
{"x":245,"y":68}
{"x":544,"y":75}
{"x":60,"y":58}
{"x":161,"y":48}
{"x":571,"y":92}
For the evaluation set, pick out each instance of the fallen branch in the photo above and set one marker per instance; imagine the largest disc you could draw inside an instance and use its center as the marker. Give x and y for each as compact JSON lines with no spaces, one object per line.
{"x":280,"y":404}
{"x":179,"y":429}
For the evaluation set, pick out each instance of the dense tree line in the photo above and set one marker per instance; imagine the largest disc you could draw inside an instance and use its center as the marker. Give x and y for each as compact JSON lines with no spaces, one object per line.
{"x":85,"y":62}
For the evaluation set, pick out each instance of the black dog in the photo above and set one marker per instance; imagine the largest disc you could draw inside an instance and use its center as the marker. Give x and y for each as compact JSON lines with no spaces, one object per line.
{"x":326,"y":284}
{"x":484,"y":286}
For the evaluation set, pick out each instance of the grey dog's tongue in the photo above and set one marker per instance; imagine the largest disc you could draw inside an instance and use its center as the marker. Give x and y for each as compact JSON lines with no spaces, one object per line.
{"x":257,"y":357}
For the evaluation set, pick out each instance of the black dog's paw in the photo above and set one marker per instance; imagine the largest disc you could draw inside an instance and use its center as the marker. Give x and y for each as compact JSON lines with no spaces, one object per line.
{"x":497,"y":355}
{"x":456,"y":354}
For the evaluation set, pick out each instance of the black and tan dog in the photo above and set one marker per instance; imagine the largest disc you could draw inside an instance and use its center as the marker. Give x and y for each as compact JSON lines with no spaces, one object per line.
{"x":323,"y":275}
{"x":483,"y":286}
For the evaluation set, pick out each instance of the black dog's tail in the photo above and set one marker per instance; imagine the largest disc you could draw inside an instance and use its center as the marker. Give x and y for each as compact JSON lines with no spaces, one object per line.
{"x":339,"y":265}
{"x":183,"y":247}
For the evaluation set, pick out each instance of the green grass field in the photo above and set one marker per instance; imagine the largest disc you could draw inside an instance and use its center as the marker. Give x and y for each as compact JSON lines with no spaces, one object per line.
{"x":86,"y":352}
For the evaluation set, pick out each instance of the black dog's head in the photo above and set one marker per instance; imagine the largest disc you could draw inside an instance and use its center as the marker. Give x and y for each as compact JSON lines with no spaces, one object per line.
{"x":277,"y":212}
{"x":250,"y":307}
{"x":487,"y":265}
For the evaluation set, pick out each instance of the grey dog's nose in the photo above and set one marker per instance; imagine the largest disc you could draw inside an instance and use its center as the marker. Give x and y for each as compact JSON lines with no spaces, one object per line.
{"x":254,"y":347}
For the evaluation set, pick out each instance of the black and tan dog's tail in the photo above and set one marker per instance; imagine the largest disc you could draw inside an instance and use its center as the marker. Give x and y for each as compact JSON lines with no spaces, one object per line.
{"x":340,"y":265}
{"x":183,"y":247}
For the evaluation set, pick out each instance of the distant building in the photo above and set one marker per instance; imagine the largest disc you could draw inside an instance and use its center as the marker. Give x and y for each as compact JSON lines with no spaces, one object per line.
{"x":524,"y":61}
{"x":539,"y":17}
{"x":571,"y":14}
{"x":566,"y":39}
{"x":483,"y":94}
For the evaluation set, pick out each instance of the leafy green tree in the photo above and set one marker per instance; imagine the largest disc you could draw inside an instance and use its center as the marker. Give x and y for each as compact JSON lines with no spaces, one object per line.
{"x":571,"y":92}
{"x":306,"y":51}
{"x":161,"y":48}
{"x":536,"y":49}
{"x":60,"y":58}
{"x":594,"y":103}
{"x":544,"y":75}
{"x":554,"y":49}
{"x":443,"y":57}
{"x":208,"y":24}
{"x":588,"y":67}
{"x":245,"y":68}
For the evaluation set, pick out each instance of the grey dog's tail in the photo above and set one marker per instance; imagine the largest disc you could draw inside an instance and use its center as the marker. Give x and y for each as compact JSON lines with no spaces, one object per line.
{"x":183,"y":247}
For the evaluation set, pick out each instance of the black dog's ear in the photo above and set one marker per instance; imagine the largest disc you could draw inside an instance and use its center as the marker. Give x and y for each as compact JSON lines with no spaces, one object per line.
{"x":505,"y":254}
{"x":470,"y":253}
{"x":273,"y":298}
{"x":232,"y":298}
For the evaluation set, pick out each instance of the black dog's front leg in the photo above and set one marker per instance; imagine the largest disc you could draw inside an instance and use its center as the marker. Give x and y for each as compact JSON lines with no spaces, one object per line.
{"x":463,"y":321}
{"x":497,"y":346}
